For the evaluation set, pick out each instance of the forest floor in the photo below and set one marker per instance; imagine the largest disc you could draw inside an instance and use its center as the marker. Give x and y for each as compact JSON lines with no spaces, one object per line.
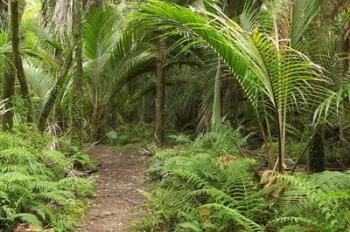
{"x":120,"y":175}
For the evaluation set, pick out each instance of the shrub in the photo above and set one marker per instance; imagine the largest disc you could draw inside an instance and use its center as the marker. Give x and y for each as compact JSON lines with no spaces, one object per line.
{"x":138,"y":133}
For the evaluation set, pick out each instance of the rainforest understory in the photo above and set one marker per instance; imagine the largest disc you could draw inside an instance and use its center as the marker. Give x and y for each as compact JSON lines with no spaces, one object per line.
{"x":175,"y":115}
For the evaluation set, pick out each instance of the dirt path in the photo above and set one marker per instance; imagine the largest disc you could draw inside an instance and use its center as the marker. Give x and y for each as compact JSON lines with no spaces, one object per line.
{"x":120,"y":175}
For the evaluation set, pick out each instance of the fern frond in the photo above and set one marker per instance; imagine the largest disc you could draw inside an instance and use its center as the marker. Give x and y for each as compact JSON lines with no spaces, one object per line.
{"x":248,"y":224}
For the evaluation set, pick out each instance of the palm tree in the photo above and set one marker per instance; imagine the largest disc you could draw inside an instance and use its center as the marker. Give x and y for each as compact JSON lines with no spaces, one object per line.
{"x":76,"y":110}
{"x":279,"y":80}
{"x":160,"y":93}
{"x":16,"y":15}
{"x":54,"y":92}
{"x":15,"y":60}
{"x":113,"y":56}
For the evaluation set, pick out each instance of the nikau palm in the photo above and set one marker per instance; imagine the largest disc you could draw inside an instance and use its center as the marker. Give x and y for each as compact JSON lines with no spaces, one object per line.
{"x":279,"y":78}
{"x":113,"y":56}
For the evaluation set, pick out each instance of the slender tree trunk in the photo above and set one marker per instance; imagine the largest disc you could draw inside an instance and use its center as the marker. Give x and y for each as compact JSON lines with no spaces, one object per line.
{"x":97,"y":3}
{"x":4,"y":14}
{"x":144,"y":106}
{"x":8,"y":94}
{"x":345,"y":44}
{"x":76,"y":114}
{"x":54,"y":93}
{"x":160,"y":94}
{"x":216,"y":116}
{"x":281,"y":144}
{"x":317,"y":161}
{"x":143,"y":110}
{"x":281,"y":115}
{"x":8,"y":85}
{"x":16,"y":15}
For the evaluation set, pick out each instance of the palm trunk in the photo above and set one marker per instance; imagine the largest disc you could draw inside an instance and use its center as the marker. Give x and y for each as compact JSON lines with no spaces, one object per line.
{"x":54,"y":93}
{"x":280,"y":113}
{"x":317,"y":161}
{"x":281,"y":143}
{"x":16,"y":15}
{"x":8,"y":94}
{"x":76,"y":114}
{"x":8,"y":88}
{"x":267,"y":137}
{"x":3,"y":14}
{"x":345,"y":44}
{"x":216,"y":117}
{"x":160,"y":95}
{"x":97,"y":3}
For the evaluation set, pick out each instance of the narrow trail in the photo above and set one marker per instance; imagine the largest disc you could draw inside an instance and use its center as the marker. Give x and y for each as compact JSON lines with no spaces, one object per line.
{"x":120,"y":174}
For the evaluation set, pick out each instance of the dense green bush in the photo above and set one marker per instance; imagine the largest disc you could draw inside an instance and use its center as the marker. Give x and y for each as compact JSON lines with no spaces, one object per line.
{"x":38,"y":185}
{"x":205,"y":185}
{"x":138,"y":133}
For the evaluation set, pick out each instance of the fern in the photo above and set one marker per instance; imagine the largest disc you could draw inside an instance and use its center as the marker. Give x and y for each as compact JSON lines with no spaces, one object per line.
{"x":315,"y":201}
{"x":236,"y":216}
{"x":34,"y":185}
{"x":197,"y":192}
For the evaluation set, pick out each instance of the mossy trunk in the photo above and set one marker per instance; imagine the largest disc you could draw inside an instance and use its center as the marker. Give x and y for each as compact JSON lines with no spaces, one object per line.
{"x":316,"y":159}
{"x":8,"y":84}
{"x":76,"y":110}
{"x":45,"y":113}
{"x":96,"y":3}
{"x":160,"y":92}
{"x":345,"y":45}
{"x":8,"y":94}
{"x":3,"y":14}
{"x":16,"y":9}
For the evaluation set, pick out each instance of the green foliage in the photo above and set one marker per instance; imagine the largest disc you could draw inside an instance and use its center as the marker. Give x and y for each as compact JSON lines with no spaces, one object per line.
{"x":319,"y":202}
{"x":277,"y":80}
{"x":113,"y":55}
{"x":223,"y":140}
{"x":137,"y":134}
{"x":200,"y":188}
{"x":38,"y":185}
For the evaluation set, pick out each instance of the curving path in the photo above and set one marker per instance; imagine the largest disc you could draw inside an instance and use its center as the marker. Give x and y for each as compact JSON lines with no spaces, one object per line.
{"x":120,"y":175}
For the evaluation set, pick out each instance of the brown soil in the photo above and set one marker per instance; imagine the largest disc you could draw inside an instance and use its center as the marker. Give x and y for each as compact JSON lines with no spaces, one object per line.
{"x":120,"y":175}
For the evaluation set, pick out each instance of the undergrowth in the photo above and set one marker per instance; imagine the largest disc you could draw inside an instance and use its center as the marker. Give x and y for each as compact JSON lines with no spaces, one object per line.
{"x":137,"y":135}
{"x":207,"y":185}
{"x":38,"y":185}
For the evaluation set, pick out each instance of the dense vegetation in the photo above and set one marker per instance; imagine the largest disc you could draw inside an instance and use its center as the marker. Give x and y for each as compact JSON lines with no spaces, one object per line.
{"x":39,"y":185}
{"x":245,"y":102}
{"x":199,"y":186}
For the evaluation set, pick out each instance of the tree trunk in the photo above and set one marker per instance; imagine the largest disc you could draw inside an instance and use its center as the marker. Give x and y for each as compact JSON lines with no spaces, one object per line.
{"x":54,"y":93}
{"x":216,"y":114}
{"x":317,"y":161}
{"x":16,"y":16}
{"x":3,"y":14}
{"x":8,"y":94}
{"x":96,"y":3}
{"x":160,"y":94}
{"x":345,"y":44}
{"x":76,"y":113}
{"x":8,"y":86}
